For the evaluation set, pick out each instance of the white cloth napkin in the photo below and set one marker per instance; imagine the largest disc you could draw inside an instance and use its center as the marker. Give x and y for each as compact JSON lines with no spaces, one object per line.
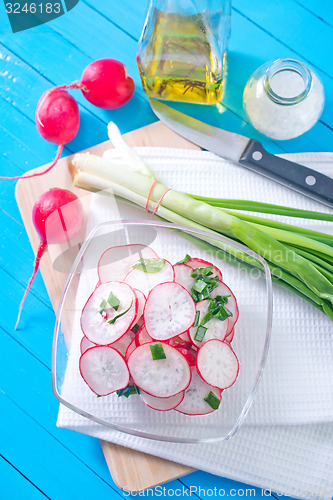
{"x":297,"y":387}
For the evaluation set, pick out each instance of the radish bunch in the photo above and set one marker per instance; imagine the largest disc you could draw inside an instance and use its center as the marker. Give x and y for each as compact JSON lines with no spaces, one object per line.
{"x":160,"y":330}
{"x":105,"y":83}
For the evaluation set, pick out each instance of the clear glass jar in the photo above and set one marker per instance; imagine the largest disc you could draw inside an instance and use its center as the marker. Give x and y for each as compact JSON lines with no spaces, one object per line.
{"x":182,"y":49}
{"x":283,"y":99}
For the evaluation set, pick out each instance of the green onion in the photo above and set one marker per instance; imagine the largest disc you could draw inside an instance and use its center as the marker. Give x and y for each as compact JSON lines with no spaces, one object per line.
{"x":217,"y":309}
{"x":98,"y":174}
{"x":128,"y":391}
{"x":199,"y":286}
{"x":202,"y":272}
{"x":197,"y":318}
{"x":157,"y":351}
{"x":185,"y":259}
{"x":135,"y":328}
{"x":114,"y":301}
{"x":266,"y":208}
{"x":212,"y":400}
{"x":203,"y":287}
{"x":200,"y":333}
{"x":149,"y":265}
{"x":102,"y":306}
{"x":113,"y":320}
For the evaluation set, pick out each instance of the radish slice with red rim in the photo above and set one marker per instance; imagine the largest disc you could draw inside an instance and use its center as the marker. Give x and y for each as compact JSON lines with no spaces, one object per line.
{"x":161,"y":404}
{"x":141,"y":305}
{"x":231,"y":305}
{"x":115,"y":263}
{"x":185,"y":337}
{"x":104,"y":370}
{"x":142,"y":336}
{"x":101,"y":322}
{"x":169,"y":311}
{"x":163,"y":377}
{"x":188,"y":354}
{"x":229,"y":338}
{"x":122,"y":344}
{"x":180,"y":342}
{"x":183,"y":276}
{"x":217,"y":364}
{"x":212,"y":329}
{"x":147,"y":280}
{"x":200,"y":398}
{"x":85,"y":344}
{"x":200,"y":263}
{"x":130,"y":348}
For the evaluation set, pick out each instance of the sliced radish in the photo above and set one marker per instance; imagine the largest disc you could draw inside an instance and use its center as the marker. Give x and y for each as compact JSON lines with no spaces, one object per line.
{"x":104,"y":370}
{"x":231,"y":305}
{"x":142,"y":336}
{"x":169,"y":311}
{"x":217,"y":364}
{"x":95,"y":323}
{"x":199,"y":263}
{"x":161,"y":404}
{"x":229,"y":338}
{"x":130,"y":349}
{"x":162,"y":378}
{"x":116,"y":262}
{"x":185,"y":337}
{"x":183,"y":276}
{"x":146,"y":281}
{"x":122,"y":344}
{"x":216,"y":328}
{"x":141,"y":305}
{"x":194,"y":400}
{"x":188,"y":354}
{"x":85,"y":344}
{"x":180,"y":342}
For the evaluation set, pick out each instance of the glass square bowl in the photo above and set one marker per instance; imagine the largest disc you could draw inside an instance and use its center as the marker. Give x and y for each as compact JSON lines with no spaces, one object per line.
{"x":245,"y":272}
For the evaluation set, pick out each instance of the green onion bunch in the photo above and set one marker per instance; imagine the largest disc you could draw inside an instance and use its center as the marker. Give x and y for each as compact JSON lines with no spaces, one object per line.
{"x":300,"y":259}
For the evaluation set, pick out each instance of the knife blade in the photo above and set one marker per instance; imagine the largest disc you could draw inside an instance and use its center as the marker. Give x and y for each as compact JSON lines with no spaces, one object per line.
{"x":247,"y":152}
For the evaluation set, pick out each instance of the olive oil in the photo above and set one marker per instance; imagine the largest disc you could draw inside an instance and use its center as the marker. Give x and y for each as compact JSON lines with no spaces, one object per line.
{"x":180,"y":61}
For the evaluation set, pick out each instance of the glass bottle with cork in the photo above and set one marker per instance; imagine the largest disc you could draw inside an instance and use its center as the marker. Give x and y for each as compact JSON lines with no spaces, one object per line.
{"x":182,"y":50}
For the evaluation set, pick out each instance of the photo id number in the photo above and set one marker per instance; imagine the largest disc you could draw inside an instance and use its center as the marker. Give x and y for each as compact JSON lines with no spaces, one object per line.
{"x":33,"y":8}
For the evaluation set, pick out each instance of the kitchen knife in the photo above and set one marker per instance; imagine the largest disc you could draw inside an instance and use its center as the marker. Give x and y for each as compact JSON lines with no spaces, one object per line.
{"x":247,"y":152}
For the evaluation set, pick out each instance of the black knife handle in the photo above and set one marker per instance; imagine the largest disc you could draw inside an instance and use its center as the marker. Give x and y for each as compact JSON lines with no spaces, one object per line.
{"x":293,"y":175}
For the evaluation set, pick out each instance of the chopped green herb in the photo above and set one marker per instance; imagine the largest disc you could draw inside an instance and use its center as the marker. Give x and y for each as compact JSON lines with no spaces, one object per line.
{"x":128,"y":391}
{"x":199,"y":286}
{"x":212,"y":400}
{"x":149,"y":265}
{"x":112,"y":321}
{"x":157,"y":351}
{"x":217,"y":309}
{"x":98,"y":396}
{"x":202,"y":271}
{"x":102,"y":306}
{"x":197,"y":317}
{"x":199,"y":291}
{"x":114,"y":301}
{"x":135,"y":328}
{"x":186,"y":259}
{"x":200,"y":333}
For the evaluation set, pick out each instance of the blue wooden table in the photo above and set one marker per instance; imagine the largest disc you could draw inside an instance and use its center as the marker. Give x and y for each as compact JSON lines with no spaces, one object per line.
{"x":37,"y":459}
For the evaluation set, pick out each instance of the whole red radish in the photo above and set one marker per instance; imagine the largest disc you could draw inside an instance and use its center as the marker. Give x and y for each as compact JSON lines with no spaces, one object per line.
{"x":57,"y":116}
{"x":106,"y":84}
{"x":57,"y":216}
{"x":57,"y":120}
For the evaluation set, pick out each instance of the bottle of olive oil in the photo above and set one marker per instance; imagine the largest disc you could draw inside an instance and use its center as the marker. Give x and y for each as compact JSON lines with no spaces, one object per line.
{"x":182,"y":50}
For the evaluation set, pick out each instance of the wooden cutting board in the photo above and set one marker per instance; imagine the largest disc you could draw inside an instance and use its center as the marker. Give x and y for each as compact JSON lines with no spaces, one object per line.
{"x":130,"y":469}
